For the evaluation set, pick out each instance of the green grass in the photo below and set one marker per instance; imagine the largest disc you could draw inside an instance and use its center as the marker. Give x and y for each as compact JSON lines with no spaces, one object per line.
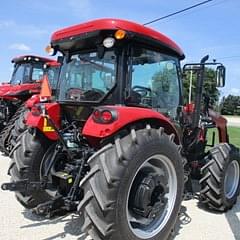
{"x":234,"y":135}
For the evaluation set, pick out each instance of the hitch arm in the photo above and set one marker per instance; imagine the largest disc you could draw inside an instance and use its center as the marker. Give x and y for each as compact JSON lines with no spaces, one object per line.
{"x":25,"y":185}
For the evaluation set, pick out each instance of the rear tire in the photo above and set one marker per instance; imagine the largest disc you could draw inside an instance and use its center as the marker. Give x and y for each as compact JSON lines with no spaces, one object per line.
{"x":18,"y":128}
{"x":109,"y":187}
{"x":220,"y":182}
{"x":14,"y":128}
{"x":27,"y":156}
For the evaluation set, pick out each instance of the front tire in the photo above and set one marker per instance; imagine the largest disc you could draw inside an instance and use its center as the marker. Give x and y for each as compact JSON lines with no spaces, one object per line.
{"x":221,"y":178}
{"x":117,"y":196}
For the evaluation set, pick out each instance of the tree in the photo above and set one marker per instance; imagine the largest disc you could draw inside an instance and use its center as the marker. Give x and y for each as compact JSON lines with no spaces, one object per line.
{"x":230,"y":105}
{"x":210,"y":85}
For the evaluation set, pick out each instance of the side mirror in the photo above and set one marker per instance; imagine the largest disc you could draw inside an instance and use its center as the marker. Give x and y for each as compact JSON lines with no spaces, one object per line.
{"x":220,"y":76}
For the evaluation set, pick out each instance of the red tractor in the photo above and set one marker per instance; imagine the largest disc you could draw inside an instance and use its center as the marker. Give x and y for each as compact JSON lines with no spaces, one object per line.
{"x":118,"y":146}
{"x":23,"y":92}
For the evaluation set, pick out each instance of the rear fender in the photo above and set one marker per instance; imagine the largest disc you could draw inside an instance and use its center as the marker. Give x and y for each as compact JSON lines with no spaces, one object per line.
{"x":40,"y":121}
{"x":95,"y":132}
{"x":32,"y":101}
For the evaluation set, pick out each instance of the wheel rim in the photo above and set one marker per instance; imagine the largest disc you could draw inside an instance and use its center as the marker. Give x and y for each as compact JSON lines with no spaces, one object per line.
{"x":231,"y":180}
{"x":145,"y":228}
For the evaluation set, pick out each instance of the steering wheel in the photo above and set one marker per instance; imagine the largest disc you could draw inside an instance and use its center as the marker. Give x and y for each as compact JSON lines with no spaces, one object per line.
{"x":75,"y":94}
{"x":93,"y":95}
{"x":143,"y":91}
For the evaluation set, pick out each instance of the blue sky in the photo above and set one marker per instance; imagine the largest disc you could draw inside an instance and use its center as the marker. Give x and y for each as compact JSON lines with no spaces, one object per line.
{"x":26,"y":27}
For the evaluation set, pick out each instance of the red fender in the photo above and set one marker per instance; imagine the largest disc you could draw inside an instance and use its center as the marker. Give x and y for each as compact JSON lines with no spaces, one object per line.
{"x":32,"y":101}
{"x":94,"y":131}
{"x":35,"y":119}
{"x":221,"y":124}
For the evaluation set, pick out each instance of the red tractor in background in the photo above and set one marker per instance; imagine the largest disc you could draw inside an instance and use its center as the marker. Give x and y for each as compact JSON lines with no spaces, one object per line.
{"x":22,"y":93}
{"x":118,"y":146}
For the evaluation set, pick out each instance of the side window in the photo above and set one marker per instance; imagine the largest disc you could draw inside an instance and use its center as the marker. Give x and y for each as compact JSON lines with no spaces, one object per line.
{"x":53,"y":77}
{"x":155,"y":81}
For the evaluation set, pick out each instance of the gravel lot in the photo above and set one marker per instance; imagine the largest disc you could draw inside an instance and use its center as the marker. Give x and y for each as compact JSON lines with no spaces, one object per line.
{"x":195,"y":223}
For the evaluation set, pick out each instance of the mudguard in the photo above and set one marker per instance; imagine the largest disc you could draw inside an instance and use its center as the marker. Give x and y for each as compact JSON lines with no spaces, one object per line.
{"x":40,"y":121}
{"x":221,"y":124}
{"x":95,"y":132}
{"x":35,"y":99}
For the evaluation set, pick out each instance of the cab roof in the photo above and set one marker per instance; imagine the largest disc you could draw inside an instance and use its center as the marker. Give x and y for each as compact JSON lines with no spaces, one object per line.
{"x":31,"y":58}
{"x":115,"y":24}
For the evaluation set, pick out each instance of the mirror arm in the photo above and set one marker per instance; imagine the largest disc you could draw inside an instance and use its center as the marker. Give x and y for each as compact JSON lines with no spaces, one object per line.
{"x":199,"y":91}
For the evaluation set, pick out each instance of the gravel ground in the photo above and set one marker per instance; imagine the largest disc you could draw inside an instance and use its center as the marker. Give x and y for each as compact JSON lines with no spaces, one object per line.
{"x":194,"y":223}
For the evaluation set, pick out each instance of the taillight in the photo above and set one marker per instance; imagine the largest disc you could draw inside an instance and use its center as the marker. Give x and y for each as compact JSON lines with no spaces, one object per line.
{"x":104,"y":116}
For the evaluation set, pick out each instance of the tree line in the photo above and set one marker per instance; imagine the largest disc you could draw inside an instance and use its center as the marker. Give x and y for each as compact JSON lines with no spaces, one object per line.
{"x":230,"y":105}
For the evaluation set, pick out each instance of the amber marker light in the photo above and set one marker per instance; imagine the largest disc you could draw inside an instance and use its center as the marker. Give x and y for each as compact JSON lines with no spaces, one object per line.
{"x":120,"y":34}
{"x":50,"y":51}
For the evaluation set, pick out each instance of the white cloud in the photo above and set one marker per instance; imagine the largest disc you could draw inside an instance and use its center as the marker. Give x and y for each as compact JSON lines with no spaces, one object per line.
{"x":20,"y":47}
{"x":6,"y":24}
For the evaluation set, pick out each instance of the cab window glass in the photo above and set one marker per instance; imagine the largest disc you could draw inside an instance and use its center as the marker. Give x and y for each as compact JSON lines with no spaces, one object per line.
{"x":155,"y":81}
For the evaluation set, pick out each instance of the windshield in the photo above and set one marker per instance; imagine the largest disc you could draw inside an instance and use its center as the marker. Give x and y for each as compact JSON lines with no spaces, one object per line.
{"x":26,"y":73}
{"x":155,"y":80}
{"x":87,"y":77}
{"x":20,"y":74}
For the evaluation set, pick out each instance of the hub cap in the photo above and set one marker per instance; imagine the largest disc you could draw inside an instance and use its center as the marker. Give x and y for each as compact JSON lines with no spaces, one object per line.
{"x":151,"y":197}
{"x":231,"y":180}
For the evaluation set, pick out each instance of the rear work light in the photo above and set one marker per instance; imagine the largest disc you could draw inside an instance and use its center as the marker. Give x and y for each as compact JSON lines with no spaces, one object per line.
{"x":104,"y":116}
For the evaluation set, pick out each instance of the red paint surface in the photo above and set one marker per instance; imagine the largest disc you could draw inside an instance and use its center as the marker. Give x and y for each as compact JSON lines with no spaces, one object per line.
{"x":53,"y":110}
{"x":221,"y":124}
{"x":114,"y":24}
{"x":125,"y":116}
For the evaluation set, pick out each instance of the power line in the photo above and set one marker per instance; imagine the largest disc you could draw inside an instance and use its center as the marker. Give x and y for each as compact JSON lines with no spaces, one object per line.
{"x":178,"y":12}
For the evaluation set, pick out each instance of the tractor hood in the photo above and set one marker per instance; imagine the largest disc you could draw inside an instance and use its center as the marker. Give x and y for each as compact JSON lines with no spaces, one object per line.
{"x":15,"y":91}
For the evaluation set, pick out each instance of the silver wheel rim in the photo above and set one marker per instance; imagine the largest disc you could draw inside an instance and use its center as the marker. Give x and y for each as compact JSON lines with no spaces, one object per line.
{"x":231,"y":180}
{"x":163,"y":166}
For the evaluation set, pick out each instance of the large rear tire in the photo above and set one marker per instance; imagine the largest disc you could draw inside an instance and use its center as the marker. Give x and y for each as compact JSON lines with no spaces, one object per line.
{"x":27,"y":156}
{"x":118,"y":184}
{"x":12,"y":130}
{"x":18,"y":128}
{"x":221,"y":178}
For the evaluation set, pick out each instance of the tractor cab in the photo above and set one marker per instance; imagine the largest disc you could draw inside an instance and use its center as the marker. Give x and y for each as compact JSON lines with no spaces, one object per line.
{"x":116,"y":62}
{"x":28,"y":69}
{"x":25,"y":83}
